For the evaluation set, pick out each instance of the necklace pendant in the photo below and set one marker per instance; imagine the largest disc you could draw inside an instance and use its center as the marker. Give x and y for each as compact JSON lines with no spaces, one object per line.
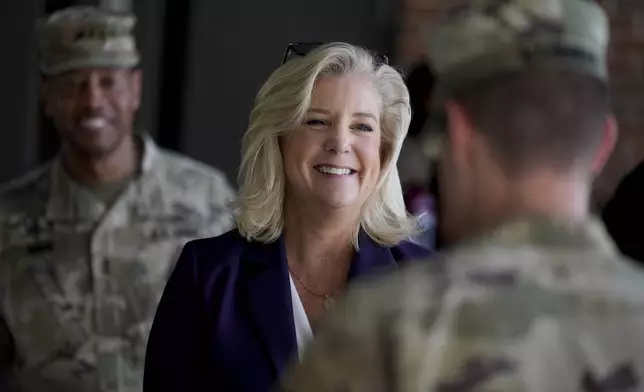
{"x":328,"y":303}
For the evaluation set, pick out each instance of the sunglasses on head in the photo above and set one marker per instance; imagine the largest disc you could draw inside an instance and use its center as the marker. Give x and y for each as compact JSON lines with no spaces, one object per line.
{"x":303,"y":48}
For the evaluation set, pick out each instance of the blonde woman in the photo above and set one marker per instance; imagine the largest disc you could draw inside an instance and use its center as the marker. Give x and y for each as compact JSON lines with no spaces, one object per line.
{"x":319,"y":205}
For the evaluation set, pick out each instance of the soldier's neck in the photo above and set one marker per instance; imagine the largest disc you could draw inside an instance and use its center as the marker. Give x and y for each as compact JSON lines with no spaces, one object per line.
{"x":112,"y":168}
{"x":551,"y":194}
{"x":542,"y":194}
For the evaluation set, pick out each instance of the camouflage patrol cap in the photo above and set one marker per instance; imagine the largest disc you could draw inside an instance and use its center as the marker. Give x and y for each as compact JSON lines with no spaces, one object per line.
{"x":480,"y":39}
{"x":86,"y":37}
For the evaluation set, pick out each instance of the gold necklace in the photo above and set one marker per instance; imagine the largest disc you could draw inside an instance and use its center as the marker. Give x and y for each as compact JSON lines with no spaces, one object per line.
{"x":328,"y":301}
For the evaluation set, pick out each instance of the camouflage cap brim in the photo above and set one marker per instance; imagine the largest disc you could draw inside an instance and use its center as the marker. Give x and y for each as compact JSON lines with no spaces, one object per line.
{"x":123,"y":62}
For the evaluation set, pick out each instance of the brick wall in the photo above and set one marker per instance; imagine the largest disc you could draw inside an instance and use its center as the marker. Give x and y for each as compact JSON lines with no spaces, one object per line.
{"x":626,"y":62}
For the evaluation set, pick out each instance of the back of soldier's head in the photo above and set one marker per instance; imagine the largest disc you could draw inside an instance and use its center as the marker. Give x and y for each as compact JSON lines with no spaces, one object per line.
{"x":530,"y":75}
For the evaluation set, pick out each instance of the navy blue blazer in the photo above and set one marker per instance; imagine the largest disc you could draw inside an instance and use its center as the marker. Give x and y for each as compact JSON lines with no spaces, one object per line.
{"x":225,"y":320}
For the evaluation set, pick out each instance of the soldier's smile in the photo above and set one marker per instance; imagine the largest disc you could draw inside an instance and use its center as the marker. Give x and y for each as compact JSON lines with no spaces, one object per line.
{"x":93,"y":123}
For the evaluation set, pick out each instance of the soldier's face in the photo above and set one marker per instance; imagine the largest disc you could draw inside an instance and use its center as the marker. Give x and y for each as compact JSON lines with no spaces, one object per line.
{"x":93,"y":109}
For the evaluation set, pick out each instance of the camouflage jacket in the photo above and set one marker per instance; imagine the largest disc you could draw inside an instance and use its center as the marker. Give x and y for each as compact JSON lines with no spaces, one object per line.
{"x":536,"y":306}
{"x":80,"y":282}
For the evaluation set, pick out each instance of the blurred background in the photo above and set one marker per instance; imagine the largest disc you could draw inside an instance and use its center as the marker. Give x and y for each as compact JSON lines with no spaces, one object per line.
{"x":204,"y":61}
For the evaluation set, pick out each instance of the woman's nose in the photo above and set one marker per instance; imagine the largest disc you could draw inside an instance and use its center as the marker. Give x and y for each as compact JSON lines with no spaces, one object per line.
{"x":339,"y":140}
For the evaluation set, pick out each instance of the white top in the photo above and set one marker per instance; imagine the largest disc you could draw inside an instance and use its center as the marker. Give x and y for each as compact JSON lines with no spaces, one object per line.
{"x":303,"y":332}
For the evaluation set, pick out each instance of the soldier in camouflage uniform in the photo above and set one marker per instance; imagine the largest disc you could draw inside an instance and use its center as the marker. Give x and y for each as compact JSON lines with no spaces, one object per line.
{"x":532,"y":295}
{"x":88,"y":240}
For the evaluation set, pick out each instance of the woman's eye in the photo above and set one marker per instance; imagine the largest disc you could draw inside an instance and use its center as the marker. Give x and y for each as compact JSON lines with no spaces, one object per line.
{"x":315,"y":123}
{"x":364,"y":127}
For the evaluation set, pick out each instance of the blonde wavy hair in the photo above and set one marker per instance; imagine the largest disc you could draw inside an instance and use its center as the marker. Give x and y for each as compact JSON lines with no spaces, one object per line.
{"x":281,"y":106}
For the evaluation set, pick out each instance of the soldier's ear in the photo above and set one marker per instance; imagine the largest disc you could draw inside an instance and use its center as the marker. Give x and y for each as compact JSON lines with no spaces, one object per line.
{"x":461,"y":131}
{"x":607,"y":145}
{"x":136,"y":82}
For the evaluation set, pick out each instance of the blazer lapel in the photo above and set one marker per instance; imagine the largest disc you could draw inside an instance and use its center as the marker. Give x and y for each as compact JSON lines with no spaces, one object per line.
{"x":269,"y":300}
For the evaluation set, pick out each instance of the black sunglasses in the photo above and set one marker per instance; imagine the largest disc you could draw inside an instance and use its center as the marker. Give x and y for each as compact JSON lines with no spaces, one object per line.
{"x":303,"y":48}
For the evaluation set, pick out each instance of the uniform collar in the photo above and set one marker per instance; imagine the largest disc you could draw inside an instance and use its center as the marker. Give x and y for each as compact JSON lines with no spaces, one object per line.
{"x":534,"y":234}
{"x":586,"y":232}
{"x":71,"y":200}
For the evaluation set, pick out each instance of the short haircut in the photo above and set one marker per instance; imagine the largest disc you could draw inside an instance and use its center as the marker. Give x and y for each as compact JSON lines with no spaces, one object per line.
{"x":535,"y":117}
{"x":281,"y":106}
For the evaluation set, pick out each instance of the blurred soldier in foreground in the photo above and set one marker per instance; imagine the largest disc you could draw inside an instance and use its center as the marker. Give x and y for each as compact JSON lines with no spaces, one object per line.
{"x":532,"y":296}
{"x":89,"y":239}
